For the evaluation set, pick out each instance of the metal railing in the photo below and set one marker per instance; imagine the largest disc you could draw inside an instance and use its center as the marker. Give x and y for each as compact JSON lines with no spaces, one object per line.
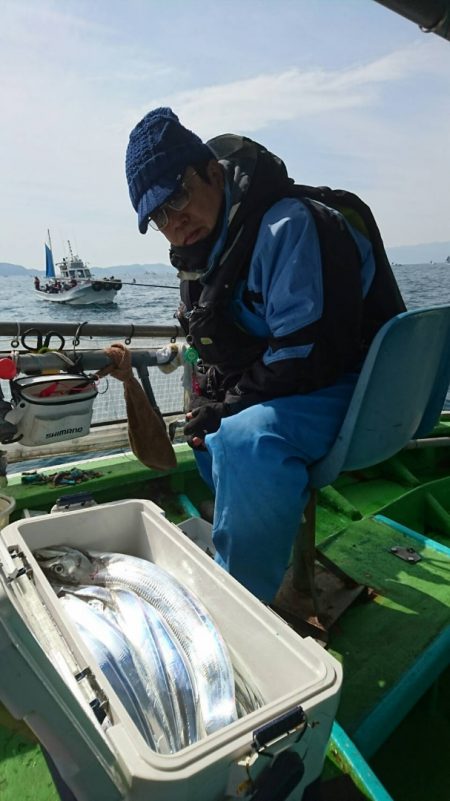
{"x":84,"y":346}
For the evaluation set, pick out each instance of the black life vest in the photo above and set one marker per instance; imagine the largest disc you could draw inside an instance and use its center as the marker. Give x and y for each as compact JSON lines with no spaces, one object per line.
{"x":349,"y":322}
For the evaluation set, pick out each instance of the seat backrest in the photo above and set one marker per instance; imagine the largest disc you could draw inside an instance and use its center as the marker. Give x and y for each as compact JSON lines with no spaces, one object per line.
{"x":399,"y":394}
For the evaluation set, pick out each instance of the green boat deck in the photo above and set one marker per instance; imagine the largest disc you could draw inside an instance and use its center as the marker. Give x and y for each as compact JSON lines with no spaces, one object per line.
{"x":393,"y":647}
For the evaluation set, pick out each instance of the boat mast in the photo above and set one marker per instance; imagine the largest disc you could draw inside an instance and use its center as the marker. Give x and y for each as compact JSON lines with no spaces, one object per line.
{"x":49,"y":240}
{"x":70,"y":250}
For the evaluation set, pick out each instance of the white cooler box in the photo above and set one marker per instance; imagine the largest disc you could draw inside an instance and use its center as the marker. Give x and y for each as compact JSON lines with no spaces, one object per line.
{"x":37,"y":681}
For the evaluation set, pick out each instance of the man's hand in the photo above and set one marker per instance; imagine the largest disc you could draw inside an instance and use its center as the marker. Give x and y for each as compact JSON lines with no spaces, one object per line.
{"x":204,"y":419}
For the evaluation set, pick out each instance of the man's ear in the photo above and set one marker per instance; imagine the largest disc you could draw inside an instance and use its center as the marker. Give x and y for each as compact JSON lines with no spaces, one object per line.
{"x":215,"y":173}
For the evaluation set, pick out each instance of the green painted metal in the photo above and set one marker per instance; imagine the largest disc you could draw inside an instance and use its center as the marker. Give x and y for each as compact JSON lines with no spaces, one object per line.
{"x":345,"y":753}
{"x":392,"y":709}
{"x":188,"y":506}
{"x":332,"y":499}
{"x":413,"y":762}
{"x":425,"y":541}
{"x":413,"y":508}
{"x":377,"y":642}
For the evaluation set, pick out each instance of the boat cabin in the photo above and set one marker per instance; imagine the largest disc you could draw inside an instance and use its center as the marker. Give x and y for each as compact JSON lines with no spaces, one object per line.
{"x":74,"y":268}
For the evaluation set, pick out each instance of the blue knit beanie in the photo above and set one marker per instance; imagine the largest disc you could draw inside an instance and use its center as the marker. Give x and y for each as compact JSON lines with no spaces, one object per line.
{"x":159,"y":151}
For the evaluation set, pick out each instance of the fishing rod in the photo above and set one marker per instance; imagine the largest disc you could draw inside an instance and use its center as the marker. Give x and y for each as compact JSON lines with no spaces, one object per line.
{"x":153,"y":286}
{"x":41,"y":363}
{"x":87,"y":329}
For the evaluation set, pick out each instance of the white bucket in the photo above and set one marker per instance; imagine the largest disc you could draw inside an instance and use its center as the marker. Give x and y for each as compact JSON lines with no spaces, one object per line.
{"x":7,"y":505}
{"x":51,"y":408}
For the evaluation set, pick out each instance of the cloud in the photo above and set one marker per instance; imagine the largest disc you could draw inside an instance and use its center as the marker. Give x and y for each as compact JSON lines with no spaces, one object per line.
{"x":366,"y":121}
{"x":72,"y":87}
{"x":255,"y":103}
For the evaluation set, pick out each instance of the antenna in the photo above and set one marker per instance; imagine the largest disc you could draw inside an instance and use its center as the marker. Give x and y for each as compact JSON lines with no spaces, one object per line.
{"x":70,"y":250}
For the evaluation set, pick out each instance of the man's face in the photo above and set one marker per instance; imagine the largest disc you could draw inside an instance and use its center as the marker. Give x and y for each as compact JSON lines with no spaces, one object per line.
{"x":199,"y":217}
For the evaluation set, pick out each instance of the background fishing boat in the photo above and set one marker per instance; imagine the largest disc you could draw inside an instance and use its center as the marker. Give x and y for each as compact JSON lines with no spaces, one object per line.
{"x":73,"y":283}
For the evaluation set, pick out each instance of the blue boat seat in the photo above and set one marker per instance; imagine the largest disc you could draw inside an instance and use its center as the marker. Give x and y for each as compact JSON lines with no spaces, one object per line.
{"x":398,"y":397}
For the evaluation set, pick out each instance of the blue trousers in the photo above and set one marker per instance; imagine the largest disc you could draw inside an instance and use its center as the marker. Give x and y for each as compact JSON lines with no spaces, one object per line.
{"x":257,"y":466}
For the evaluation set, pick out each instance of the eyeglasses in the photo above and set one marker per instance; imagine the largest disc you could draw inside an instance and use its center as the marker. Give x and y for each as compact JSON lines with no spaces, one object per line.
{"x":159,"y":218}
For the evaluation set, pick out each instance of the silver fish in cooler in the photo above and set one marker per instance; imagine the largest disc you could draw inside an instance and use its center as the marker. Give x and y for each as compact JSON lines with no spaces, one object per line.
{"x":113,"y":656}
{"x":186,"y":616}
{"x":248,"y":697}
{"x":160,"y":662}
{"x":168,"y":681}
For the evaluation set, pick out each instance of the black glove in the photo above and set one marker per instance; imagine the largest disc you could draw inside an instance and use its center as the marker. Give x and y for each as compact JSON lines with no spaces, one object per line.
{"x":204,"y":420}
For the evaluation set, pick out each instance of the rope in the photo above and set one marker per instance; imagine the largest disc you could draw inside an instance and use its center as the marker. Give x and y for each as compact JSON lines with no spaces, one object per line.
{"x":153,"y":286}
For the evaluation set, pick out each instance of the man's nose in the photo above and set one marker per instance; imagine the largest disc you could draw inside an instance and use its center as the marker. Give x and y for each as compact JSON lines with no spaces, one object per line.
{"x":177,"y":222}
{"x":177,"y":219}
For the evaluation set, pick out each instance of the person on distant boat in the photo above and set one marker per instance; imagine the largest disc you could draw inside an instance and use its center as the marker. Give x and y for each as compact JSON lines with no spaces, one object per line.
{"x":281,"y":296}
{"x":37,"y":283}
{"x":73,"y":282}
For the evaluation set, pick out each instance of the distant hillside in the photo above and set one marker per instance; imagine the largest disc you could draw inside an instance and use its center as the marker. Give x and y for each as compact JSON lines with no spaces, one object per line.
{"x":399,"y":254}
{"x":419,"y":254}
{"x":13,"y":269}
{"x":137,"y":271}
{"x":134,"y":270}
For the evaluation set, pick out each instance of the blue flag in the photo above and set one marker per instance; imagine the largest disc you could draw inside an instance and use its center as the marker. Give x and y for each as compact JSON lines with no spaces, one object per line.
{"x":49,"y":266}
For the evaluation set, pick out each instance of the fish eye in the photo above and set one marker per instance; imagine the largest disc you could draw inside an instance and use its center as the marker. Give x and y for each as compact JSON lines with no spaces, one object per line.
{"x":59,"y":569}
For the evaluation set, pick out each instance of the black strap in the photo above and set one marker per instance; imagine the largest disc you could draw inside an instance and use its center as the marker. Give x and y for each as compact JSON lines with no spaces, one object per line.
{"x":277,"y":782}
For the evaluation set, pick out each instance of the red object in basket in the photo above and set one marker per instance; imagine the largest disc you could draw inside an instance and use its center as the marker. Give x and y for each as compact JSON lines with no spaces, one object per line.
{"x":50,"y":390}
{"x":8,"y":369}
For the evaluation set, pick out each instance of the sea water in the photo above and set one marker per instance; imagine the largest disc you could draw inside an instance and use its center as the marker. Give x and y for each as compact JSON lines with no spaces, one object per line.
{"x":154,"y":299}
{"x":143,"y":303}
{"x":148,"y":302}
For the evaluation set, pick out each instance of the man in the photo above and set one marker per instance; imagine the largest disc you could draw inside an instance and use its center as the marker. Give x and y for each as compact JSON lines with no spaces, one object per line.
{"x":281,"y":297}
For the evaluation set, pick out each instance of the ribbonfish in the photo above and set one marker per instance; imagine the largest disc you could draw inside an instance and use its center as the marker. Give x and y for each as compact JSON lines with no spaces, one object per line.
{"x":167,"y":679}
{"x":160,"y":662}
{"x":112,"y":654}
{"x":181,"y":610}
{"x":248,"y":698}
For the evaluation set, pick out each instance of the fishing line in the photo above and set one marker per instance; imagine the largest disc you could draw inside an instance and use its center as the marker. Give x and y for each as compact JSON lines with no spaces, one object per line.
{"x":153,"y":286}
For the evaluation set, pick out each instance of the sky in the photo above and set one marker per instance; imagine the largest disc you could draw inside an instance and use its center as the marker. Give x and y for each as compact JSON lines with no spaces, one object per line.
{"x":347,"y":93}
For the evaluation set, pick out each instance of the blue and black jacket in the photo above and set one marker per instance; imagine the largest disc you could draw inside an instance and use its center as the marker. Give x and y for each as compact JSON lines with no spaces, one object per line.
{"x":294,"y":289}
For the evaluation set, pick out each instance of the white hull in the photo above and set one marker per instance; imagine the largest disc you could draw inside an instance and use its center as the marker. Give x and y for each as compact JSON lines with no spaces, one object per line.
{"x":81,"y":295}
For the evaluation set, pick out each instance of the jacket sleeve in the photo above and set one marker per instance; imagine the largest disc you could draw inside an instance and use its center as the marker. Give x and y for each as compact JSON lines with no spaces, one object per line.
{"x":283,"y":301}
